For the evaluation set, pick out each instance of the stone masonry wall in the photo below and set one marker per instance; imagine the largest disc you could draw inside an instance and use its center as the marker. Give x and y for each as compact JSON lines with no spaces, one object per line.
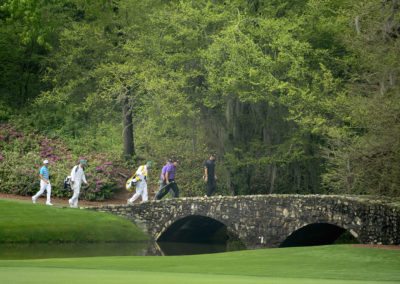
{"x":267,"y":220}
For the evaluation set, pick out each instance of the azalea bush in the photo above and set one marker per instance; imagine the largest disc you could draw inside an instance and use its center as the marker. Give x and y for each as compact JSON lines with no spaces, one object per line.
{"x":22,"y":154}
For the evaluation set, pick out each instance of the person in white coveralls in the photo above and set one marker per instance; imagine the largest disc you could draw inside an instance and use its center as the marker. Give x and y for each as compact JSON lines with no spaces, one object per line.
{"x":77,"y":177}
{"x":141,"y":183}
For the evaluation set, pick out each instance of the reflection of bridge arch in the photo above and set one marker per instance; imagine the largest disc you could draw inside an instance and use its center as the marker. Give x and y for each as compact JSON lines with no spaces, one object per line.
{"x":268,"y":220}
{"x":317,"y":234}
{"x":196,"y":228}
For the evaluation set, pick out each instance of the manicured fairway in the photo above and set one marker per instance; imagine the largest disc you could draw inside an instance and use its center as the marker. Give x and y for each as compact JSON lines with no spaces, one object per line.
{"x":325,"y":264}
{"x":79,"y":276}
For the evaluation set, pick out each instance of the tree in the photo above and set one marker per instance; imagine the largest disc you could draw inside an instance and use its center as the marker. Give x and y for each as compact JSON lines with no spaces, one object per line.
{"x":294,"y":96}
{"x":364,"y":154}
{"x":27,"y":36}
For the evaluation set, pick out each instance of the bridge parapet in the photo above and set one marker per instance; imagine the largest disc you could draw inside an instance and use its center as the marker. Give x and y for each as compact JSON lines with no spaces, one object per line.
{"x":268,"y":220}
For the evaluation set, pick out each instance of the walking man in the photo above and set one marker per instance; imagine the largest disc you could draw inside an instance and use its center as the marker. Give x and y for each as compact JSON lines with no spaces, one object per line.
{"x":162,"y":181}
{"x":44,"y":183}
{"x":141,"y":183}
{"x":170,"y":172}
{"x":77,"y":177}
{"x":209,"y":175}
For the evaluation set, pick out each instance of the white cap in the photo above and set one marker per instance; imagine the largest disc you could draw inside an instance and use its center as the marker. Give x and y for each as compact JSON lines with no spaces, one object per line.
{"x":45,"y":161}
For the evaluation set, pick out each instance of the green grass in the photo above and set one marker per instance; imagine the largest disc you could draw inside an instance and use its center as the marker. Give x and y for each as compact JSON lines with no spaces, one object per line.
{"x":325,"y":264}
{"x":22,"y":222}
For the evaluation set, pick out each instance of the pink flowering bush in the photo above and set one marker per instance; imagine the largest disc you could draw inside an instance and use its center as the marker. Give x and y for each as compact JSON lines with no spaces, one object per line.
{"x":21,"y":157}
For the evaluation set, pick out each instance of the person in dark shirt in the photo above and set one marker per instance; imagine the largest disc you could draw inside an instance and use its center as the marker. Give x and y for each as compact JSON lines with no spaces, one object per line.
{"x":209,"y":175}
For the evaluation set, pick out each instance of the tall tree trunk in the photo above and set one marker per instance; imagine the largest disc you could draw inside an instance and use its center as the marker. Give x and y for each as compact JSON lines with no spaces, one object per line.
{"x":129,"y":146}
{"x":273,"y":177}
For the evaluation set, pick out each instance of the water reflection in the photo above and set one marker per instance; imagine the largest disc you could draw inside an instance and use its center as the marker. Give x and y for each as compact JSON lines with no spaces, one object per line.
{"x":173,"y":248}
{"x":69,"y":250}
{"x":61,"y":250}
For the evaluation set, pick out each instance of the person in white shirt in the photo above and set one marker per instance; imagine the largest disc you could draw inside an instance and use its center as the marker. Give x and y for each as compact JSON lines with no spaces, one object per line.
{"x":77,"y":177}
{"x":141,"y":183}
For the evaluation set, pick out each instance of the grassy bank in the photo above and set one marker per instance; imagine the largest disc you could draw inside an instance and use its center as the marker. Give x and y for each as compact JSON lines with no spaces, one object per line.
{"x":325,"y":264}
{"x":25,"y":222}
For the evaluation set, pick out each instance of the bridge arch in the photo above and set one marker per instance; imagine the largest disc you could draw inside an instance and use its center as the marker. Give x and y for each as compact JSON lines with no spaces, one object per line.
{"x":319,"y":233}
{"x":196,"y":228}
{"x":269,"y":220}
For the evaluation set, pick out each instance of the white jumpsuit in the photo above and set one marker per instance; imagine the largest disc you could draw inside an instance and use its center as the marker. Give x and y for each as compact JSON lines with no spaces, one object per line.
{"x":77,"y":176}
{"x":141,"y":185}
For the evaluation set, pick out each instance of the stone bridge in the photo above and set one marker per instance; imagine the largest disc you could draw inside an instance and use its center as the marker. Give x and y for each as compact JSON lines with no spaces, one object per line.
{"x":267,"y":220}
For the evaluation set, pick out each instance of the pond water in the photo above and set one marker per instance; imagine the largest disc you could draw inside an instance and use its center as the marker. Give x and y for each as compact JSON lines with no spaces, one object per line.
{"x":67,"y":250}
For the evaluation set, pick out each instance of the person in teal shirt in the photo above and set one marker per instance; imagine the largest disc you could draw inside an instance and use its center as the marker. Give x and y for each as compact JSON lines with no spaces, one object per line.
{"x":44,"y":183}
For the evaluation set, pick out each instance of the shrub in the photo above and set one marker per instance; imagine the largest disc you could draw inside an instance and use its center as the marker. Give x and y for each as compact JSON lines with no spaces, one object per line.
{"x":21,"y":156}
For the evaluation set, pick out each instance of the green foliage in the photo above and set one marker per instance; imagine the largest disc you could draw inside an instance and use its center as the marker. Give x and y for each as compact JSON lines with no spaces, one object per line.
{"x":22,"y":155}
{"x":364,"y":156}
{"x":294,"y":96}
